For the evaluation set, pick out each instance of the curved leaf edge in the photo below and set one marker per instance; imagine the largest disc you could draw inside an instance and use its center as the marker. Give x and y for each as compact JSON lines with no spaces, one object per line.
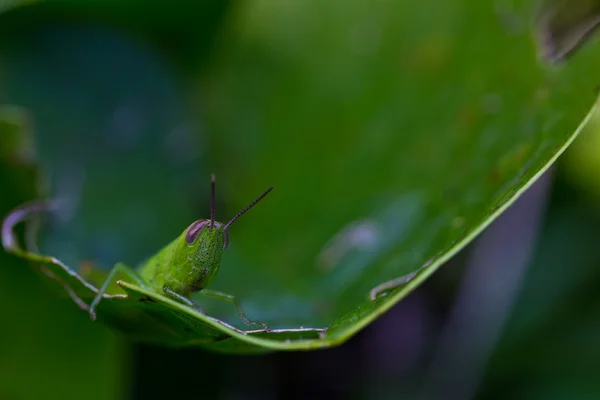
{"x":346,"y":331}
{"x":420,"y":277}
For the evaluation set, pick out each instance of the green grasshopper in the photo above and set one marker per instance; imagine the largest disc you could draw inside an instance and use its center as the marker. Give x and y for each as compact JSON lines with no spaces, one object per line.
{"x":187,"y":265}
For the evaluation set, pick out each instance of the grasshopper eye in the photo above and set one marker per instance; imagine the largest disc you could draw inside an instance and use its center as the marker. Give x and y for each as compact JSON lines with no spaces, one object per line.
{"x":194,"y":230}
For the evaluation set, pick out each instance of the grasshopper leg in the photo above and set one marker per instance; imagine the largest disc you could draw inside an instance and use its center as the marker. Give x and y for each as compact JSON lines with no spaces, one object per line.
{"x":182,"y":299}
{"x":232,"y":299}
{"x":126,"y":272}
{"x":216,"y":295}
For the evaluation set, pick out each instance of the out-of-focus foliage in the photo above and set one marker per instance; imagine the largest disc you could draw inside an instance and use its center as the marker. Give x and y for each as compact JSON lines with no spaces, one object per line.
{"x":182,"y":31}
{"x":48,"y":350}
{"x":566,"y":25}
{"x":549,"y":349}
{"x":582,"y":162}
{"x":393,"y":132}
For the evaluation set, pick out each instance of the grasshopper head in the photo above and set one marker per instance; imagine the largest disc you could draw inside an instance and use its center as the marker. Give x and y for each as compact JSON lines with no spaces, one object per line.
{"x":200,"y":232}
{"x":199,"y":255}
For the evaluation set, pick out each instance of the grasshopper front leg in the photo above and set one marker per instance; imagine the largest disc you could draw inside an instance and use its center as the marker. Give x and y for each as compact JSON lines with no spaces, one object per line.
{"x":182,"y":299}
{"x":126,"y":273}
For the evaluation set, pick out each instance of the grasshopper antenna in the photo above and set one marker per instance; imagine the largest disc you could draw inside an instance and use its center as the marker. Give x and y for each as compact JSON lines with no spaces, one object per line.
{"x":212,"y":201}
{"x":247,"y":208}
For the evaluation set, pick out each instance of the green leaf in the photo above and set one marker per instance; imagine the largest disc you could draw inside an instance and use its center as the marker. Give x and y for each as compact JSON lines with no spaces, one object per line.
{"x":393,"y":133}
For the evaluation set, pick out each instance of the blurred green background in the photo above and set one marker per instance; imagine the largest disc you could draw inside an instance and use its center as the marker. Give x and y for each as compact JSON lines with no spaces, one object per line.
{"x":418,"y":119}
